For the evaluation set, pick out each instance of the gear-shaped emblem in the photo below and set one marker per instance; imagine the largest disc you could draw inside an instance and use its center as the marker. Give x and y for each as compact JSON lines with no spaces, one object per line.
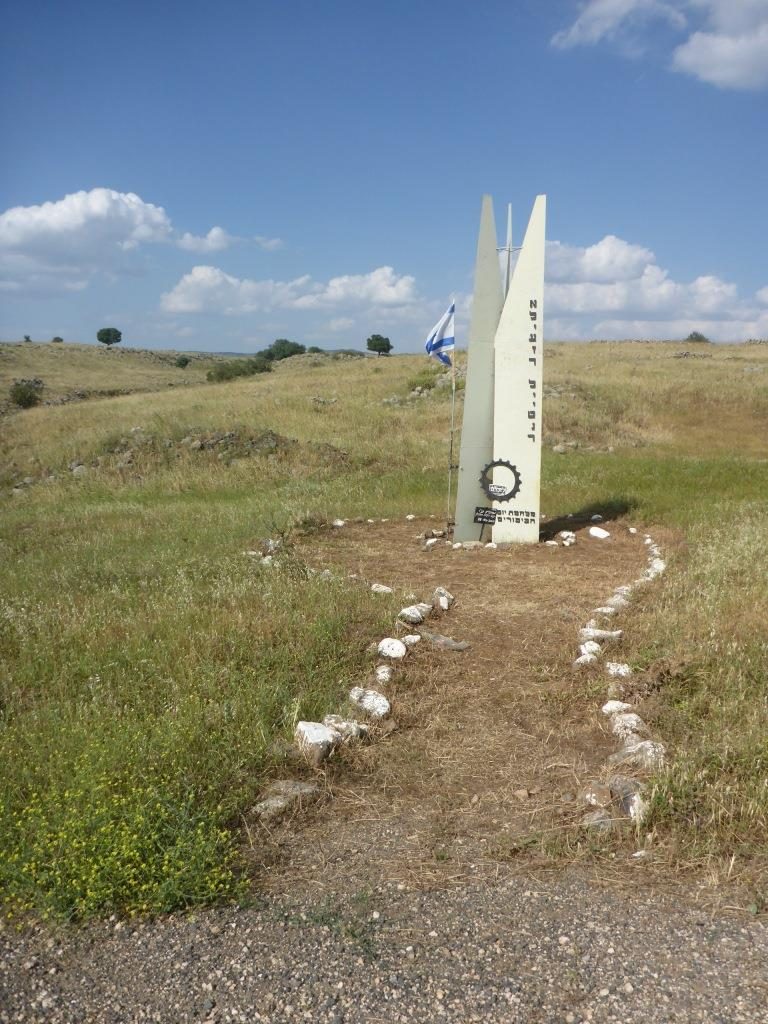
{"x":501,"y":491}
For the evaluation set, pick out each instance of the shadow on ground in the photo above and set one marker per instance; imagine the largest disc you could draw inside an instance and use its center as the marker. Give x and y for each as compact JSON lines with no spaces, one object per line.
{"x":608,"y":508}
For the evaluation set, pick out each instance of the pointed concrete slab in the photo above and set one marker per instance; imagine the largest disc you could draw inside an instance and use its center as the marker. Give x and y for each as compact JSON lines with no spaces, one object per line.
{"x":518,"y":348}
{"x":477,"y":428}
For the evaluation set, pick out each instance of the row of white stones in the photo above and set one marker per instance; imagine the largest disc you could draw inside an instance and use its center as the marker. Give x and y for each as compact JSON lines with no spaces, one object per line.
{"x":318,"y":740}
{"x":638,"y":749}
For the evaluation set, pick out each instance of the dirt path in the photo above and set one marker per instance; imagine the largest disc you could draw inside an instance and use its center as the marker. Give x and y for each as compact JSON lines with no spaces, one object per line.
{"x":443,"y":798}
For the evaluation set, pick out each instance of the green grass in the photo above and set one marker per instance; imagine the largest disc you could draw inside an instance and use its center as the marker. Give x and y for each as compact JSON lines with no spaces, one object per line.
{"x":147,"y":665}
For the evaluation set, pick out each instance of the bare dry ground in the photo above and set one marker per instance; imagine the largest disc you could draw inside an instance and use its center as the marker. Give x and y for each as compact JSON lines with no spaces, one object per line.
{"x":492,"y":745}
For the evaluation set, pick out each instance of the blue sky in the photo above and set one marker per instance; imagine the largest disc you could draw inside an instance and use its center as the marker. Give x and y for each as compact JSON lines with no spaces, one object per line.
{"x":213,"y":176}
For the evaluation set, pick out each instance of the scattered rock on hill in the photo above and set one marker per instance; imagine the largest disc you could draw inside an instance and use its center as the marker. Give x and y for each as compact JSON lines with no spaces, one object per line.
{"x":371,"y":702}
{"x":284,"y":796}
{"x":445,"y":643}
{"x":316,"y":741}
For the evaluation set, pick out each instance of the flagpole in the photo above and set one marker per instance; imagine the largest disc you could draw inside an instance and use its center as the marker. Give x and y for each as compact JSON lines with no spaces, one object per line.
{"x":449,"y":521}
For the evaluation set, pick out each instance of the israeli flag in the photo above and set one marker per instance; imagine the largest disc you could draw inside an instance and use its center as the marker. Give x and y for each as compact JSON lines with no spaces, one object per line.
{"x":442,"y":337}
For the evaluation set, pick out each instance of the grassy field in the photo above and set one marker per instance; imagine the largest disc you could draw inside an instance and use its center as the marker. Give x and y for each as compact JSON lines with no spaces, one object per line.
{"x":147,"y":665}
{"x":67,"y":368}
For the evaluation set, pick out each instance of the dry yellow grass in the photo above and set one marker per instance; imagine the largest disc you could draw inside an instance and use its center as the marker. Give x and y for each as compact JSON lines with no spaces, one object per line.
{"x":65,"y":368}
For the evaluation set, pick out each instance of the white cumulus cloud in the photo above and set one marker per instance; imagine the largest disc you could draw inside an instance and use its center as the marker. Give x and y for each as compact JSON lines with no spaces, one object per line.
{"x":210,"y":290}
{"x":207,"y":289}
{"x":728,"y":61}
{"x":610,"y":259}
{"x":62,"y":243}
{"x":726,"y":44}
{"x":216,"y":240}
{"x":616,"y":288}
{"x":381,"y":287}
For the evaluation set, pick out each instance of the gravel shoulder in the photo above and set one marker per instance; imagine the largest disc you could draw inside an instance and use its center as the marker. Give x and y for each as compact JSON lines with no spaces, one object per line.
{"x":519,"y":952}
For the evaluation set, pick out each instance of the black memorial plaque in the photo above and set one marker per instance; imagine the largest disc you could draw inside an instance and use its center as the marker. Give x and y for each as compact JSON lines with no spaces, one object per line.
{"x":486,"y":516}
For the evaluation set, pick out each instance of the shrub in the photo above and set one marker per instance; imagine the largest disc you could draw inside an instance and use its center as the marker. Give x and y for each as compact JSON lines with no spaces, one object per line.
{"x":239,"y":368}
{"x":697,"y":336}
{"x":26,"y":393}
{"x":281,"y":349}
{"x":27,"y":338}
{"x":314,"y":349}
{"x":57,"y":340}
{"x":182,"y":362}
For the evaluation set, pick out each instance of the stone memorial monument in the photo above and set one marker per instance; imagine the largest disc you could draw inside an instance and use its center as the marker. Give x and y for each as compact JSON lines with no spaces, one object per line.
{"x":500,"y":454}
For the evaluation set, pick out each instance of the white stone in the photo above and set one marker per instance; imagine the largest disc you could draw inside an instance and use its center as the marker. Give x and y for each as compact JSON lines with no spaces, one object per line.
{"x":605,"y":609}
{"x":443,"y":598}
{"x":380,"y":588}
{"x":617,"y":601}
{"x":618,"y":669}
{"x":470,"y":545}
{"x":347,"y":728}
{"x":569,"y":542}
{"x":316,"y":741}
{"x":590,"y":647}
{"x":638,"y":808}
{"x":384,"y":674}
{"x":551,"y":544}
{"x":430,"y":543}
{"x":410,"y":518}
{"x":646,"y":754}
{"x":647,"y":539}
{"x":627,"y":724}
{"x":389,"y":647}
{"x":591,"y":633}
{"x":283,"y":796}
{"x":457,"y":546}
{"x":586,"y":659}
{"x":411,"y":614}
{"x":425,"y":607}
{"x":411,"y":639}
{"x":632,"y":529}
{"x":624,"y":590}
{"x":370,"y":521}
{"x":338,"y":523}
{"x":491,"y":545}
{"x":267,"y":560}
{"x":597,"y":518}
{"x":567,"y":535}
{"x":615,"y":707}
{"x":598,"y":532}
{"x":373,"y":703}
